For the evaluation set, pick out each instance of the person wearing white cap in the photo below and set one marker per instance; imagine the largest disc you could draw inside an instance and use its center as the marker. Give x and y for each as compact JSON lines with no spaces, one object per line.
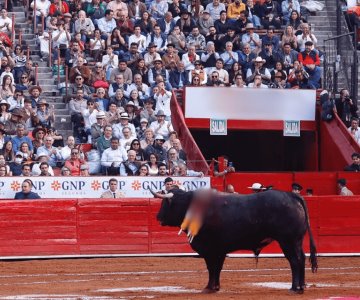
{"x":90,"y":116}
{"x":124,"y":122}
{"x":161,"y":126}
{"x":44,"y":42}
{"x":257,"y":187}
{"x":98,"y":128}
{"x":140,"y":131}
{"x":157,"y":148}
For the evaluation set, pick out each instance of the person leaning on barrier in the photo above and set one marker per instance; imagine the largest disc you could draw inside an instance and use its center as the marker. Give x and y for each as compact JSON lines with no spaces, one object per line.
{"x":342,"y":188}
{"x":26,"y":192}
{"x":355,"y":166}
{"x":112,"y":192}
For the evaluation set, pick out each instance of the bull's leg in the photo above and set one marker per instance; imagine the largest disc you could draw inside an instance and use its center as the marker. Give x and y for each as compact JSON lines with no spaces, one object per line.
{"x":302,"y":269}
{"x":214,"y":265}
{"x":292,"y":253}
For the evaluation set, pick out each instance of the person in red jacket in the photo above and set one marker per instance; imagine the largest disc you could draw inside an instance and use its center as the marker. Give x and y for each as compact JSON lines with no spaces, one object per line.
{"x":310,"y":61}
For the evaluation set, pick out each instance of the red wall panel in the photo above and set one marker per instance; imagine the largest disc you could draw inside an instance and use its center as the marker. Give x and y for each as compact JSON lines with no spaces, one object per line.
{"x":129,"y":226}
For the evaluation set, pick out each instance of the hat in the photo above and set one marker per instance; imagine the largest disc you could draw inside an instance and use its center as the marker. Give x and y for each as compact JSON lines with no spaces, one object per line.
{"x":17,"y":112}
{"x":259,"y":59}
{"x":168,"y":179}
{"x":249,"y":26}
{"x":65,"y":15}
{"x":151,"y":45}
{"x":100,"y":115}
{"x":19,"y":154}
{"x":124,"y":116}
{"x":160,"y":113}
{"x":4,"y":102}
{"x":45,"y":34}
{"x":296,"y":186}
{"x":205,"y":11}
{"x":41,"y":154}
{"x":157,"y":59}
{"x":37,"y":129}
{"x":130,"y":103}
{"x":98,"y":64}
{"x":143,"y":120}
{"x":256,"y":186}
{"x":84,"y":167}
{"x":342,"y":181}
{"x":33,"y":87}
{"x":159,"y":137}
{"x":65,"y":169}
{"x":42,"y":102}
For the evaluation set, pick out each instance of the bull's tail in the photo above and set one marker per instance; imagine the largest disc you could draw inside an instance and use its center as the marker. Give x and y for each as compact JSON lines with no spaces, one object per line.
{"x":313,"y":254}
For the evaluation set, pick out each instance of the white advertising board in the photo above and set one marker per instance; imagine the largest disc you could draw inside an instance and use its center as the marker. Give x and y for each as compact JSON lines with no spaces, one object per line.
{"x":93,"y":187}
{"x":250,"y":104}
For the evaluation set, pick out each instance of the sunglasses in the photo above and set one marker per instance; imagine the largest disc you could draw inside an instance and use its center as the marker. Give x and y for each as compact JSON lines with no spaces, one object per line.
{"x":78,"y":78}
{"x":214,"y":76}
{"x":23,"y":77}
{"x":196,"y":80}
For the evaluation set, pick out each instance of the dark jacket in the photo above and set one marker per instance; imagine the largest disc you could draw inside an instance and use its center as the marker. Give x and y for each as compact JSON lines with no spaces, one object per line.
{"x":31,"y":195}
{"x":175,"y":76}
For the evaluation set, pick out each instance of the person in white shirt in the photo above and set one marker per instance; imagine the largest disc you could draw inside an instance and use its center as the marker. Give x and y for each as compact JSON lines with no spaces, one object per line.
{"x":89,"y":115}
{"x":354,"y":129}
{"x":160,"y":126}
{"x":189,"y":58}
{"x":42,"y":10}
{"x":138,"y":38}
{"x":61,"y":36}
{"x":44,"y":42}
{"x":127,"y":139}
{"x":66,"y":150}
{"x":5,"y":22}
{"x":142,"y":88}
{"x":124,"y":122}
{"x":112,"y":157}
{"x":163,"y":98}
{"x":239,"y":82}
{"x":109,"y":61}
{"x":107,"y":24}
{"x":257,"y":84}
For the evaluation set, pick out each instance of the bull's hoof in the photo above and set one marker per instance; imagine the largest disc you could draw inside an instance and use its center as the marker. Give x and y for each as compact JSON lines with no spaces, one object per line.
{"x":297,"y":291}
{"x":208,"y":290}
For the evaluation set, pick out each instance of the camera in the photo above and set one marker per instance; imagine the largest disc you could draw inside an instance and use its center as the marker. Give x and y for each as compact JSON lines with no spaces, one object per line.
{"x":347,"y":99}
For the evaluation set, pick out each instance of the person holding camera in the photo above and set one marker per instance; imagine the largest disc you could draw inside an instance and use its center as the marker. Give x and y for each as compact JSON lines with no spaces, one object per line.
{"x":310,"y":61}
{"x":346,"y":107}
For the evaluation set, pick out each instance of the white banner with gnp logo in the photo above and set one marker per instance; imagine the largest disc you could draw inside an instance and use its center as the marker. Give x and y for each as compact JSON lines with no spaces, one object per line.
{"x":93,"y":187}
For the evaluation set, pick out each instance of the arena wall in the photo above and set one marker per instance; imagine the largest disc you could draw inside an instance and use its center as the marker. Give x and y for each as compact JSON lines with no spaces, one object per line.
{"x":129,"y":226}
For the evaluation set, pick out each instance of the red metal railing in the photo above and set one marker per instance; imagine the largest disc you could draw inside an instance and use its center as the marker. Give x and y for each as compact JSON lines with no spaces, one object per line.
{"x":36,"y":74}
{"x":34,"y":18}
{"x":12,"y":30}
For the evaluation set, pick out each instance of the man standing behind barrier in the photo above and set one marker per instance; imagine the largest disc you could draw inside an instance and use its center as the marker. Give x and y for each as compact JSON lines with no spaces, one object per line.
{"x":343,"y":190}
{"x":26,"y":192}
{"x":112,"y":192}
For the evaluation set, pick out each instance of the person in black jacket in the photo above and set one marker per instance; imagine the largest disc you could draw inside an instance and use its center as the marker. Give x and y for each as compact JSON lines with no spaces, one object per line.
{"x":26,"y":192}
{"x":179,"y":77}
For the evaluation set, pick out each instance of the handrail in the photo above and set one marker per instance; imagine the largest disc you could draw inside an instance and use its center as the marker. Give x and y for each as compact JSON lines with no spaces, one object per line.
{"x":36,"y":75}
{"x":66,"y":77}
{"x":20,"y":36}
{"x":27,"y":53}
{"x":338,"y":36}
{"x":12,"y":30}
{"x":34,"y":18}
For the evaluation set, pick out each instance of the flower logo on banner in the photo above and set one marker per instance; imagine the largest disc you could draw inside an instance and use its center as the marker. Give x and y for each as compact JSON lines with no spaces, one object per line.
{"x":136,"y":185}
{"x":95,"y":185}
{"x":56,"y":185}
{"x":15,"y":186}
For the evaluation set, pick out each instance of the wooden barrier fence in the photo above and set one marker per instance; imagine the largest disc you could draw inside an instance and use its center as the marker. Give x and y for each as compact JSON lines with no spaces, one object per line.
{"x":129,"y":226}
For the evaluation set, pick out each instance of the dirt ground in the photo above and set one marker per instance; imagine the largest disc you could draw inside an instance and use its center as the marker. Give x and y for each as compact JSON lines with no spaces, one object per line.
{"x":173,"y":278}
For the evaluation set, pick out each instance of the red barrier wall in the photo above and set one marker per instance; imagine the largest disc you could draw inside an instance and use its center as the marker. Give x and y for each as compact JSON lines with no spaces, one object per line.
{"x":129,"y":226}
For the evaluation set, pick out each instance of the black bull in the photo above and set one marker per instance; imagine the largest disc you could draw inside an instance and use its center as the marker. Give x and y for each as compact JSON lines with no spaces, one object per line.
{"x":230,"y":222}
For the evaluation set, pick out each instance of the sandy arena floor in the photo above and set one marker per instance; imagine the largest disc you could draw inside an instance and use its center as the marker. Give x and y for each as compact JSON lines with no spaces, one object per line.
{"x":172,"y":278}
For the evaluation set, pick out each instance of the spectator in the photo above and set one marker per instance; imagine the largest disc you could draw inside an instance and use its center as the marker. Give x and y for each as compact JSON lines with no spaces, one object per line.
{"x":76,"y":106}
{"x":112,"y":192}
{"x":106,"y":24}
{"x":234,"y":9}
{"x":158,"y":8}
{"x":246,"y":58}
{"x":177,"y":145}
{"x":4,"y":165}
{"x":113,"y":157}
{"x":122,"y":69}
{"x":185,"y":23}
{"x":38,"y":135}
{"x":241,"y":23}
{"x":158,"y":39}
{"x":60,"y":37}
{"x":74,"y":162}
{"x":3,"y":138}
{"x":157,"y":148}
{"x":148,"y":138}
{"x":223,"y":75}
{"x":17,"y":117}
{"x":42,"y":157}
{"x":287,"y":7}
{"x":101,"y":100}
{"x":305,"y":37}
{"x":25,"y":170}
{"x":346,"y":108}
{"x":270,"y":38}
{"x":79,"y":85}
{"x":254,"y":13}
{"x":296,"y":188}
{"x":153,"y":165}
{"x":15,"y":166}
{"x":295,"y":21}
{"x":355,"y":166}
{"x":80,"y":69}
{"x":97,"y":45}
{"x":65,"y":171}
{"x":5,"y":22}
{"x":124,"y":122}
{"x":184,"y":171}
{"x":52,"y":152}
{"x":288,"y":56}
{"x":84,"y":26}
{"x":26,"y":152}
{"x":44,"y":169}
{"x":44,"y":42}
{"x":173,"y":159}
{"x":197,"y":40}
{"x":125,"y":25}
{"x":20,"y":138}
{"x":7,"y":88}
{"x":127,"y":138}
{"x":42,"y":10}
{"x":195,"y":9}
{"x":136,"y":8}
{"x":271,"y":14}
{"x":232,"y":37}
{"x":44,"y":114}
{"x":96,"y":10}
{"x":257,"y":188}
{"x":98,"y":127}
{"x":213,"y":80}
{"x":229,"y":56}
{"x":270,"y":55}
{"x":138,"y":39}
{"x":258,"y":68}
{"x":239,"y":82}
{"x":178,"y":39}
{"x":179,"y":77}
{"x":26,"y":192}
{"x":143,"y":170}
{"x":205,"y":22}
{"x":342,"y":188}
{"x":228,"y":167}
{"x":145,"y":23}
{"x":84,"y":170}
{"x":130,"y":167}
{"x":170,"y":58}
{"x":215,"y":9}
{"x":251,"y":38}
{"x":354,"y":129}
{"x":257,"y":83}
{"x":104,"y":141}
{"x":289,"y":37}
{"x":66,"y":151}
{"x":162,"y":170}
{"x":4,"y":111}
{"x":310,"y":61}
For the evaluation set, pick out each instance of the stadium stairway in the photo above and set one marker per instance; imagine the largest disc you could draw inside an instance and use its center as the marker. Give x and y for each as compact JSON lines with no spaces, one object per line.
{"x":45,"y":77}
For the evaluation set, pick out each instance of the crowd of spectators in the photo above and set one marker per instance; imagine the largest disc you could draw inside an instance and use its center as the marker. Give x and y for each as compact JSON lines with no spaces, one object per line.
{"x":123,"y":60}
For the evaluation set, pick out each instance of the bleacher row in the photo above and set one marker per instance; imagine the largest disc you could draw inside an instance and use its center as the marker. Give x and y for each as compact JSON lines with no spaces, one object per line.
{"x":96,"y":47}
